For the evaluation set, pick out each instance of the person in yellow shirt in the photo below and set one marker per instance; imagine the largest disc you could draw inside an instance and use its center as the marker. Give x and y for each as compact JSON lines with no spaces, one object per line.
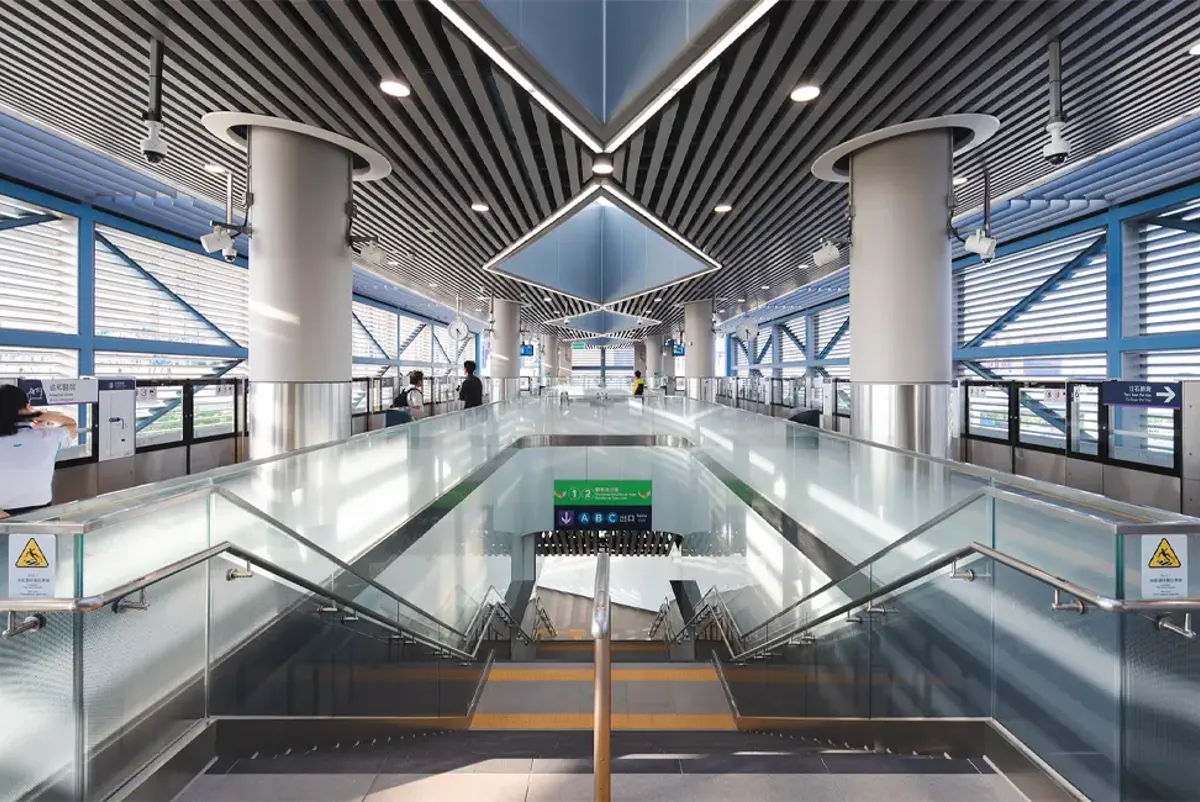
{"x":639,"y":384}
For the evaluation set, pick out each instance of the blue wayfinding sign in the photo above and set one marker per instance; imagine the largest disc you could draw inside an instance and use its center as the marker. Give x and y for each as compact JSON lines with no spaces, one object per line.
{"x":1164,"y":395}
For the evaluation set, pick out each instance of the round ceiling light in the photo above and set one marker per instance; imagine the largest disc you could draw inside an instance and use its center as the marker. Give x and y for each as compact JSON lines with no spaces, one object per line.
{"x":805,"y":92}
{"x":546,"y":298}
{"x":722,"y":208}
{"x":603,"y":165}
{"x":741,"y":300}
{"x":656,"y":300}
{"x":216,"y":169}
{"x":959,"y":180}
{"x":1194,"y":50}
{"x":394,"y":87}
{"x":480,"y":206}
{"x":766,"y":286}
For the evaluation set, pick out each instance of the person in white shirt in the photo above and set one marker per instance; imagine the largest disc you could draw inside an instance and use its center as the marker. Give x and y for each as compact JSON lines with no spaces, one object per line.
{"x":409,"y":403}
{"x":29,"y":444}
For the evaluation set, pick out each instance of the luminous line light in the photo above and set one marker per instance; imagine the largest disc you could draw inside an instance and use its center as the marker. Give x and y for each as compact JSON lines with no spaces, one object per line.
{"x":482,"y":42}
{"x":698,"y":66}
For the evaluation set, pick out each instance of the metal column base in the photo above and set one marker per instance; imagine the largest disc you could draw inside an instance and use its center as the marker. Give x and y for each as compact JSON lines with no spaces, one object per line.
{"x":285,"y":416}
{"x":914,"y":417}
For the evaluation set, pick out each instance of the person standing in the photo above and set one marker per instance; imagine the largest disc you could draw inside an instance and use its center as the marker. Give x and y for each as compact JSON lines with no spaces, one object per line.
{"x":29,"y":444}
{"x":639,"y":384}
{"x":409,"y":404}
{"x":471,"y":391}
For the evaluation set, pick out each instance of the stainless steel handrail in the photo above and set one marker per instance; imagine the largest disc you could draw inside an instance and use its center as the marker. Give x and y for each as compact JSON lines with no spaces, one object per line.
{"x":115,"y":595}
{"x":210,"y":490}
{"x":602,"y":696}
{"x":1084,"y":596}
{"x":250,"y":509}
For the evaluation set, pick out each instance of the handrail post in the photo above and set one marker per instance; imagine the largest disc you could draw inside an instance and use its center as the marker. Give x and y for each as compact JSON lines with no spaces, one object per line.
{"x":602,"y":697}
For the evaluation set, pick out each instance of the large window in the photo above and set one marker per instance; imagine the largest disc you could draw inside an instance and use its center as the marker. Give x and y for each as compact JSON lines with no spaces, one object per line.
{"x":381,"y":324}
{"x":832,"y":327}
{"x":1051,"y":293}
{"x":39,"y":287}
{"x":1168,"y":277}
{"x":147,"y":290}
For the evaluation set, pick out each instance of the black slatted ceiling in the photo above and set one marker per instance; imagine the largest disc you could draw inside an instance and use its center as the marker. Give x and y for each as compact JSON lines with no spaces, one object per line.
{"x":732,"y":135}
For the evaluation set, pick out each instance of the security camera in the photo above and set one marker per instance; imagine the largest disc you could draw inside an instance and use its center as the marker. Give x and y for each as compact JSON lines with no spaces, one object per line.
{"x":153,"y":146}
{"x":1058,"y":148}
{"x":827,"y":254}
{"x":981,"y":244}
{"x":229,"y":253}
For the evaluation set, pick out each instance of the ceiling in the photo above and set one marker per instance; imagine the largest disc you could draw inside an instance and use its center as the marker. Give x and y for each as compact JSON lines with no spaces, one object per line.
{"x":470,"y":133}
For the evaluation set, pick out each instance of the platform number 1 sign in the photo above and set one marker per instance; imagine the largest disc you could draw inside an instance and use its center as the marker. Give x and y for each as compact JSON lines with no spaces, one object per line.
{"x":1164,"y":567}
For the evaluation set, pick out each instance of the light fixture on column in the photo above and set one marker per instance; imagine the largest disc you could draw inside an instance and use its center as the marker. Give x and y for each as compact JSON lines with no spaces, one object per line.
{"x":805,"y":92}
{"x":394,"y":87}
{"x":981,"y":242}
{"x":369,"y":249}
{"x":603,"y":165}
{"x":827,"y":254}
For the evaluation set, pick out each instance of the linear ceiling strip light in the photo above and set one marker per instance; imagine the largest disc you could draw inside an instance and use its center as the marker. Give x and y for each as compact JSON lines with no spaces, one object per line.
{"x":506,"y":64}
{"x":687,"y":76}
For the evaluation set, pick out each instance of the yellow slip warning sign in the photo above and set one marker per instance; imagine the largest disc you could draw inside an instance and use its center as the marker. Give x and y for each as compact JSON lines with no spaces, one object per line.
{"x":32,"y":556}
{"x":1164,"y":556}
{"x":31,"y":562}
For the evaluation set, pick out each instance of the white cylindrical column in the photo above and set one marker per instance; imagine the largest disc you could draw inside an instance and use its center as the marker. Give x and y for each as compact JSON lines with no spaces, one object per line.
{"x":901,"y":333}
{"x":301,"y":276}
{"x":699,"y":345}
{"x":550,"y":352}
{"x":565,"y":360}
{"x":900,"y":292}
{"x":504,"y":358}
{"x":653,"y":348}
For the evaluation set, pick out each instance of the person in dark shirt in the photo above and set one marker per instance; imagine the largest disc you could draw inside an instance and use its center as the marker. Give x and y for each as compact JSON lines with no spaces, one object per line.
{"x":471,"y":391}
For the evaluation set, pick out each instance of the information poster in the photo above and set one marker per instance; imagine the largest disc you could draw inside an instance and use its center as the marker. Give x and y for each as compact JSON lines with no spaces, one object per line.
{"x":1164,"y":567}
{"x":594,"y":504}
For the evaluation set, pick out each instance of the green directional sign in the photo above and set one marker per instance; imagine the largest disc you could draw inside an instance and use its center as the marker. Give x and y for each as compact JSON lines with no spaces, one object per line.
{"x":610,"y":504}
{"x":618,"y":492}
{"x":578,"y":346}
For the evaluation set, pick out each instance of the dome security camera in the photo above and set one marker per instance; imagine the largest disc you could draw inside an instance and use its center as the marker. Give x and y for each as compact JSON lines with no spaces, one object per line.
{"x":153,"y":146}
{"x":1057,"y":149}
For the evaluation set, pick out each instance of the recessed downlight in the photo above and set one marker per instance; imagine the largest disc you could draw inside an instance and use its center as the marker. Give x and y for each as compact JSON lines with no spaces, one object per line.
{"x":546,"y":298}
{"x":959,"y":180}
{"x":740,"y":300}
{"x":656,"y":300}
{"x":805,"y":92}
{"x":603,"y":165}
{"x":480,"y":207}
{"x":216,"y":169}
{"x":722,"y":208}
{"x":394,"y":87}
{"x":765,"y":287}
{"x":433,"y":284}
{"x":1194,"y":50}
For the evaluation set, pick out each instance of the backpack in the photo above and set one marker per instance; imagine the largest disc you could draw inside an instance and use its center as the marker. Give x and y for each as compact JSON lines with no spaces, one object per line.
{"x":402,"y":399}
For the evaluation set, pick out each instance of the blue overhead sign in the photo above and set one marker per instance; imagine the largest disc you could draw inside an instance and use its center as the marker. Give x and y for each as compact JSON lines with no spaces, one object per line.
{"x":526,"y":349}
{"x":679,"y":350}
{"x":1165,"y":395}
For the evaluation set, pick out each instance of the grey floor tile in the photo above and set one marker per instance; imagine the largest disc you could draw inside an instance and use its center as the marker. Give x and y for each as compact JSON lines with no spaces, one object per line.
{"x":868,"y":763}
{"x":560,"y":788}
{"x":446,"y":787}
{"x":723,"y":788}
{"x":930,"y":788}
{"x":278,"y":788}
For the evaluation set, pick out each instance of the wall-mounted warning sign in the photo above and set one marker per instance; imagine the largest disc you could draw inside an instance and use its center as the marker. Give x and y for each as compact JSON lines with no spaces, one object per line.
{"x":1164,"y":567}
{"x":31,"y":566}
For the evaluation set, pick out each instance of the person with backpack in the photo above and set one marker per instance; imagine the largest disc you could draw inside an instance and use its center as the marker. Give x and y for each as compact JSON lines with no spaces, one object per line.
{"x":409,"y":404}
{"x":29,"y":444}
{"x":639,"y":384}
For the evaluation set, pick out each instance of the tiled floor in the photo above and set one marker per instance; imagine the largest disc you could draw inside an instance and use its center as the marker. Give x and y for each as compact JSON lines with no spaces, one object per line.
{"x":556,"y":767}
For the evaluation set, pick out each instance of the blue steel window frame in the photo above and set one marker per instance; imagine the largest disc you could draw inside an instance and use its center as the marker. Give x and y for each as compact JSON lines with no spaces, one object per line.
{"x":1119,"y":224}
{"x":86,"y":342}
